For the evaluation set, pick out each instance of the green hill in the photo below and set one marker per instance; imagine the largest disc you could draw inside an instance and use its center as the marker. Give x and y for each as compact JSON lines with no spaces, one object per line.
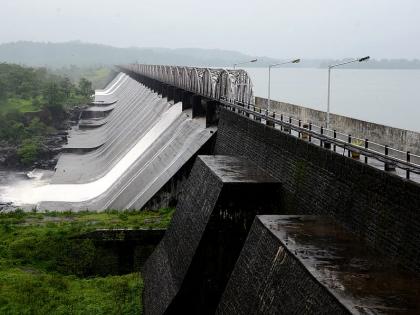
{"x":80,"y":54}
{"x":93,"y":56}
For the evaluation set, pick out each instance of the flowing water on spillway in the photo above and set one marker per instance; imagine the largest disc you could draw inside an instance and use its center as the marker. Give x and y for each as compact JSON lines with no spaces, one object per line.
{"x":121,"y":162}
{"x":32,"y":191}
{"x":113,"y":86}
{"x":15,"y":186}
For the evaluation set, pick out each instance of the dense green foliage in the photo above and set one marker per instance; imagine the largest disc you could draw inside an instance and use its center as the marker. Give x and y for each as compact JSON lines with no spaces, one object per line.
{"x":100,"y":76}
{"x":42,"y":268}
{"x":32,"y":89}
{"x":33,"y":102}
{"x":28,"y":151}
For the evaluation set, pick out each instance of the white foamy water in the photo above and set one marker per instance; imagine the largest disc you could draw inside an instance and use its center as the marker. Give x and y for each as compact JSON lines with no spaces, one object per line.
{"x":113,"y":87}
{"x":36,"y":190}
{"x":14,"y":186}
{"x":36,"y":174}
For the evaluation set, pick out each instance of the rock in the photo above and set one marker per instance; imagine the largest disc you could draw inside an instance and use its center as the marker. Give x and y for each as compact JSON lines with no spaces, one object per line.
{"x":51,"y":145}
{"x":7,"y":207}
{"x":8,"y":155}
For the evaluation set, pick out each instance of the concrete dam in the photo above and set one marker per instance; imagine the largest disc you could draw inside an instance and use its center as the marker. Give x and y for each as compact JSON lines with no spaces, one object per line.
{"x":272,"y":216}
{"x":129,"y":138}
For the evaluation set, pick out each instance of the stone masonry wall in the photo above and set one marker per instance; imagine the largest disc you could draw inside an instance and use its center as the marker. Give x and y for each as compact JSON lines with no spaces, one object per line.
{"x":269,"y":280}
{"x":166,"y":268}
{"x":380,"y":207}
{"x":190,"y":267}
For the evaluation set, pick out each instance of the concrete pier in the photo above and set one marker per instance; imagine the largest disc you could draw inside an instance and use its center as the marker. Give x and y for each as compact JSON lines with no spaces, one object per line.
{"x":311,"y":265}
{"x":188,"y":271}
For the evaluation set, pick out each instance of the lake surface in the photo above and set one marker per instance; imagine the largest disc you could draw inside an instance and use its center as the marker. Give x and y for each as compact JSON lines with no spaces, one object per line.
{"x":390,"y":97}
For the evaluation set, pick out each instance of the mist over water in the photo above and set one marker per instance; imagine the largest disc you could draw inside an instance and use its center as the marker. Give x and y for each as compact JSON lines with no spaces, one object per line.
{"x":17,"y":186}
{"x":389,"y":97}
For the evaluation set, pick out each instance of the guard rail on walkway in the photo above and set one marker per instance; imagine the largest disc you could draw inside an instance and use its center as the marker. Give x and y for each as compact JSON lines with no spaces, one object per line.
{"x":331,"y":139}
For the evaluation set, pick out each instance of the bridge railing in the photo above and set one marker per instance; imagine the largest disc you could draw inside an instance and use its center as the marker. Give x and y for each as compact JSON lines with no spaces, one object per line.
{"x":231,"y":85}
{"x":389,"y":158}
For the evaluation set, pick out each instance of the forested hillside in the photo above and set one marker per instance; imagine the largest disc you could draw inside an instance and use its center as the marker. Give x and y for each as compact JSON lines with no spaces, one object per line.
{"x":33,"y":104}
{"x":57,"y":55}
{"x":73,"y":55}
{"x":100,"y":76}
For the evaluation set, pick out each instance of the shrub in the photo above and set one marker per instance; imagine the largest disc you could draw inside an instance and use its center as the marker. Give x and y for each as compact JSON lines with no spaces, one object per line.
{"x":28,"y":151}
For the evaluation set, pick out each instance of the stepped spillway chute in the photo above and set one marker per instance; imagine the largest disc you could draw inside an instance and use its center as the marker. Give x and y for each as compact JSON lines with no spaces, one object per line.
{"x":87,"y":191}
{"x":144,"y":141}
{"x":109,"y":96}
{"x":114,"y":84}
{"x":131,"y":120}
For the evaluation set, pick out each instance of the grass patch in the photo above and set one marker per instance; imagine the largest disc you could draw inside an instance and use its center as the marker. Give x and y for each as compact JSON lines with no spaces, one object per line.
{"x":28,"y":291}
{"x":18,"y":104}
{"x":42,"y":268}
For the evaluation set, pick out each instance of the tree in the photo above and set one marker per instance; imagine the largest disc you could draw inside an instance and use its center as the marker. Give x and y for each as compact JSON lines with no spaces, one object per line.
{"x":16,"y":132}
{"x":36,"y":128}
{"x":85,"y":87}
{"x":3,"y":91}
{"x":53,"y":95}
{"x":25,"y":89}
{"x":55,"y":99}
{"x":66,"y":87}
{"x":28,"y":151}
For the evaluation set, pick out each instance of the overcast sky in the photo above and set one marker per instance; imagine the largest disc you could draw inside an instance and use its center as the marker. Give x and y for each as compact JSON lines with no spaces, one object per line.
{"x":276,"y":28}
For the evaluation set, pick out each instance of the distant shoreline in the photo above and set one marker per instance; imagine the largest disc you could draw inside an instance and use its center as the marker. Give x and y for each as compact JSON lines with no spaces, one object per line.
{"x":80,"y":54}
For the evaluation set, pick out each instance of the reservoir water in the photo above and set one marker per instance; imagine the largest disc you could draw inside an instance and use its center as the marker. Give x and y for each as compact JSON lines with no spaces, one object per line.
{"x":390,"y":97}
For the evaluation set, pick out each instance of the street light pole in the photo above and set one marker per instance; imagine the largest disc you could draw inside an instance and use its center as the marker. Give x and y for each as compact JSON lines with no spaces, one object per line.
{"x":269,"y":78}
{"x":269,"y":88}
{"x":329,"y":83}
{"x":242,"y":63}
{"x":328,"y":98}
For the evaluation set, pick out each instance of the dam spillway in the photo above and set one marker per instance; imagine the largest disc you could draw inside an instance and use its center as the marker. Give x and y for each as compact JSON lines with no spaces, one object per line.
{"x":128,"y":154}
{"x":356,"y":224}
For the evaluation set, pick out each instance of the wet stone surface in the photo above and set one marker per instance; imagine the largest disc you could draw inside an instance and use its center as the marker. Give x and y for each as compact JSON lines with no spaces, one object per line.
{"x":361,"y":281}
{"x":231,"y":169}
{"x":380,"y":207}
{"x":190,"y":267}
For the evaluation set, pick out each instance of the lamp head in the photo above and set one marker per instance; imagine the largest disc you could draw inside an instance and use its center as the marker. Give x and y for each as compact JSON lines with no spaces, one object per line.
{"x":296,"y":61}
{"x":254,"y":60}
{"x":364,"y":58}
